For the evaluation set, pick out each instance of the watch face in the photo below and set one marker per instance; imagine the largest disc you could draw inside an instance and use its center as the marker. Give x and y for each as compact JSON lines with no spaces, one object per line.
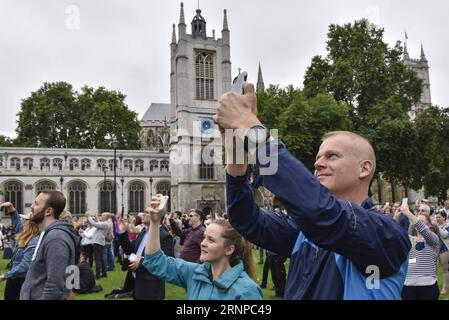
{"x":257,"y":135}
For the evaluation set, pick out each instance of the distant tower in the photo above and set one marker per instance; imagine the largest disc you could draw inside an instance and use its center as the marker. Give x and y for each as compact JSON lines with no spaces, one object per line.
{"x":200,"y":74}
{"x":421,"y":67}
{"x":260,"y":87}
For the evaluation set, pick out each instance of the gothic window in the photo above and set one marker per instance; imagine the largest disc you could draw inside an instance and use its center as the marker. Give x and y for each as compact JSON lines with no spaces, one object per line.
{"x":45,"y":163}
{"x":74,"y":164}
{"x":85,"y":164}
{"x":164,"y":165}
{"x":1,"y":161}
{"x":28,"y":163}
{"x":139,"y":165}
{"x":137,"y":197}
{"x":77,"y":198}
{"x":154,"y":164}
{"x":129,"y":165}
{"x":207,"y":171}
{"x":101,"y":163}
{"x":15,"y":163}
{"x":14,"y":194}
{"x":45,"y":186}
{"x":107,"y":197}
{"x":111,"y":164}
{"x":204,"y":66}
{"x":151,"y":139}
{"x":57,"y":163}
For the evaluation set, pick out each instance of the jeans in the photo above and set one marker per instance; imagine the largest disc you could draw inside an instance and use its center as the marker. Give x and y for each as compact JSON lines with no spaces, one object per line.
{"x":108,"y":257}
{"x":100,"y":269}
{"x":12,"y":288}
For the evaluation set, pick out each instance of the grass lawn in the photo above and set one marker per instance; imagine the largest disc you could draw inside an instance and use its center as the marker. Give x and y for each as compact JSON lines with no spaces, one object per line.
{"x":116,"y":278}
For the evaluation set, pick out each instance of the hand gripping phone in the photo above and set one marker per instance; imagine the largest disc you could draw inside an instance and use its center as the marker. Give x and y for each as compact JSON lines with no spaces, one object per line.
{"x":237,"y":84}
{"x":163,"y":203}
{"x":404,"y":202}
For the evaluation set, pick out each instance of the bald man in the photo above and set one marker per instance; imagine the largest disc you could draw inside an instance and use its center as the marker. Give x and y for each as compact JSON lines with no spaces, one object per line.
{"x":340,"y":246}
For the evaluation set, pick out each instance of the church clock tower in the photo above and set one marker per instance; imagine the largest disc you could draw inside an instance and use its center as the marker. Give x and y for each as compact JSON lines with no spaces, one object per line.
{"x":200,"y":74}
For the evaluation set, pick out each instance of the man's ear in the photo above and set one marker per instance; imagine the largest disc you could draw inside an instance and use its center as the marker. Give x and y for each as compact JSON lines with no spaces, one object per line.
{"x":366,"y":169}
{"x":49,"y":211}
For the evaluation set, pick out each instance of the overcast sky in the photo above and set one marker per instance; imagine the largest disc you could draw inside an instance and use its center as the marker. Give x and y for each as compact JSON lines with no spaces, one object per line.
{"x":124,"y":45}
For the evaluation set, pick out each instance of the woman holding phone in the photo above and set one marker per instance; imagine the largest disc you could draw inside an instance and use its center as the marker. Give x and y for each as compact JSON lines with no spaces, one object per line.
{"x":421,"y":282}
{"x":227,"y":269}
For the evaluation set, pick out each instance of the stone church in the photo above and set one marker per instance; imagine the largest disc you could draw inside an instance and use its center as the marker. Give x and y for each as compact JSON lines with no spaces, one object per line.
{"x":174,"y":133}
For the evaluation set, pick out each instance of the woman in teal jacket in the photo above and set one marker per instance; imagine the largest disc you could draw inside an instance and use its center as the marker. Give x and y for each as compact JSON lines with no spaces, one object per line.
{"x":226,"y":269}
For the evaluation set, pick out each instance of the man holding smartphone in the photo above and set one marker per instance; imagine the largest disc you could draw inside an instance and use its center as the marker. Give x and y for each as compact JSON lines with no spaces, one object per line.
{"x":340,"y":246}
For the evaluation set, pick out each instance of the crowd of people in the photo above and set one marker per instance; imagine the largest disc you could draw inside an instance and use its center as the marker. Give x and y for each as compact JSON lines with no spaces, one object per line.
{"x":328,"y":227}
{"x":95,"y":243}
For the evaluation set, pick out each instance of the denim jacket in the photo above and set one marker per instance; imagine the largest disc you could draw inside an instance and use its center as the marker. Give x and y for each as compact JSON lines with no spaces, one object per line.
{"x":21,"y":260}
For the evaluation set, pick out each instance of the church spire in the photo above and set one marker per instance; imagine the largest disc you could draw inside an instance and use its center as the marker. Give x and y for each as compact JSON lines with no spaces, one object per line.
{"x":406,"y":55}
{"x":182,"y":19}
{"x":423,"y":56}
{"x":260,"y":87}
{"x":182,"y":27}
{"x":225,"y":21}
{"x":173,"y":37}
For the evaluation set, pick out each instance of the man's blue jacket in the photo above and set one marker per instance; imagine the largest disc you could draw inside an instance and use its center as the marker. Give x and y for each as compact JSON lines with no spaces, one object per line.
{"x":338,"y":249}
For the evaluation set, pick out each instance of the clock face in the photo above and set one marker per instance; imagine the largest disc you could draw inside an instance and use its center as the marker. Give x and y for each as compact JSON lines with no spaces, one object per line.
{"x":207,"y":125}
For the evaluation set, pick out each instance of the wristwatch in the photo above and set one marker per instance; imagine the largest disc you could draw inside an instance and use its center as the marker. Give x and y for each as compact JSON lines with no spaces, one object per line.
{"x":256,"y":136}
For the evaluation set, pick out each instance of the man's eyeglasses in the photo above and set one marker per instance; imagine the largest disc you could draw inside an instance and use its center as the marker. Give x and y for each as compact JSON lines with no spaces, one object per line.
{"x":422,"y":210}
{"x":191,"y":215}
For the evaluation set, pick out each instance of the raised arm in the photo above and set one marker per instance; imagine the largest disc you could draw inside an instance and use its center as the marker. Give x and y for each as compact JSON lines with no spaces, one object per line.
{"x":359,"y":234}
{"x":98,"y":225}
{"x":17,"y":222}
{"x":261,"y":227}
{"x":431,"y":238}
{"x":176,"y":271}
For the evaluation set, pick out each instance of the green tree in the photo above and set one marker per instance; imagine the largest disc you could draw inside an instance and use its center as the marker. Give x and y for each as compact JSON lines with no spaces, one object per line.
{"x":433,"y":160}
{"x":56,"y":116}
{"x":302,"y":122}
{"x":361,"y":70}
{"x":6,"y":141}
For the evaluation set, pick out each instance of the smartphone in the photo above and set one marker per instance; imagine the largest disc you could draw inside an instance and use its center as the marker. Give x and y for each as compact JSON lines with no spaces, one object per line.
{"x":404,"y":202}
{"x":237,"y":84}
{"x":132,"y":257}
{"x":163,"y":203}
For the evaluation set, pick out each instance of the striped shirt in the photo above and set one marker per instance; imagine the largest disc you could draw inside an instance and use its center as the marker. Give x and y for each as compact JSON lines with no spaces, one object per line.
{"x":423,"y":259}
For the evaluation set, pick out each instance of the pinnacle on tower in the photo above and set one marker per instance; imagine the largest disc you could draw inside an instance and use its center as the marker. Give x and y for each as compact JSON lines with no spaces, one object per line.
{"x":225,"y":21}
{"x":406,"y":55}
{"x":423,"y":56}
{"x":182,"y":19}
{"x":173,"y":37}
{"x":260,"y":87}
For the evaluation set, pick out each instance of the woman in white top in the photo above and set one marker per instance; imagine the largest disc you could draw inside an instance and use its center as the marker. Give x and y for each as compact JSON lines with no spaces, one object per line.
{"x":443,"y":224}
